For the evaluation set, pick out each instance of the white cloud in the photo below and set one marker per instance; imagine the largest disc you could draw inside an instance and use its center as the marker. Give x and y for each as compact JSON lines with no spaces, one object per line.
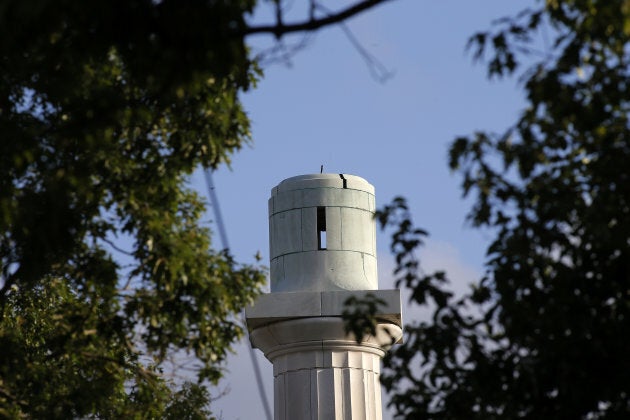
{"x":435,"y":255}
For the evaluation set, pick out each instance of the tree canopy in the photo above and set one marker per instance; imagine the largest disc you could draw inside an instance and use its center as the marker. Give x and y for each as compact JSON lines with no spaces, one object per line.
{"x":106,"y":270}
{"x":544,"y":333}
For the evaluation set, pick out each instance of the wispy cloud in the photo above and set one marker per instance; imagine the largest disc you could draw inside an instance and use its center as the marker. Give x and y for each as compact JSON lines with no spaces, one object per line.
{"x":436,"y":255}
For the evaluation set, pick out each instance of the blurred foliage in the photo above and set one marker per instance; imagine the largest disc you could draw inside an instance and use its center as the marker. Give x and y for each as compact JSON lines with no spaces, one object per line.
{"x":360,"y":315}
{"x":544,"y":334}
{"x":107,"y":272}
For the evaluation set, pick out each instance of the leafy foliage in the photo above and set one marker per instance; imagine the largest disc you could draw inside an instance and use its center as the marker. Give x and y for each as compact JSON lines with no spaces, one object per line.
{"x":106,"y":271}
{"x":359,"y":315}
{"x":544,"y":333}
{"x":106,"y":268}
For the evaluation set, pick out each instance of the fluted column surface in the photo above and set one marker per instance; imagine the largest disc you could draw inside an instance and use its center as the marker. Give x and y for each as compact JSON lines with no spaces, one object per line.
{"x":349,"y":389}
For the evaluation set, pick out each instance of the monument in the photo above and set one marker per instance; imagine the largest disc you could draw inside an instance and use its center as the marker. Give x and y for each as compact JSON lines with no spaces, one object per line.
{"x":322,"y":240}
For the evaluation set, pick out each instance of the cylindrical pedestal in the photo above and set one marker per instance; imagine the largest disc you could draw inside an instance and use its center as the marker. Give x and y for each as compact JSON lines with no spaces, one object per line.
{"x":322,"y":373}
{"x":322,"y":234}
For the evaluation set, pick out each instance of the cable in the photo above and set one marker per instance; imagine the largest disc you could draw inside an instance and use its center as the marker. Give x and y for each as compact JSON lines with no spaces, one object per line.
{"x":214,"y":202}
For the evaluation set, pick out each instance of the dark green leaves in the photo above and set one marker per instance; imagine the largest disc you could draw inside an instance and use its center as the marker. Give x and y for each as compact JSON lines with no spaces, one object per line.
{"x":359,"y":315}
{"x":106,"y":269}
{"x":540,"y":336}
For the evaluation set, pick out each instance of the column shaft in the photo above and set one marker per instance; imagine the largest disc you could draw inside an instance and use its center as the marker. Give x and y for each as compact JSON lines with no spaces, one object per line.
{"x":321,"y":373}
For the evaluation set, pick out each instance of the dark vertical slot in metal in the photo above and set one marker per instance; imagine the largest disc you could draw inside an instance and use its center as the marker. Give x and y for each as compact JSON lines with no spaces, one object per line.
{"x":321,"y":227}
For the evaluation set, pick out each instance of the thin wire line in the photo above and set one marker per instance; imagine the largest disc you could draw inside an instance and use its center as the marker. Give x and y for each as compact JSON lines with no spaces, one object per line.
{"x":214,"y":202}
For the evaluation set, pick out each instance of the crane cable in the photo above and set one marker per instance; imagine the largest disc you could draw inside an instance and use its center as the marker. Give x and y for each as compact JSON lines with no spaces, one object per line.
{"x":214,"y":202}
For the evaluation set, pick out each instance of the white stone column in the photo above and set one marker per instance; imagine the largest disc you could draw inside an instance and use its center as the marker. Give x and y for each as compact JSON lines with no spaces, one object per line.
{"x":320,"y":372}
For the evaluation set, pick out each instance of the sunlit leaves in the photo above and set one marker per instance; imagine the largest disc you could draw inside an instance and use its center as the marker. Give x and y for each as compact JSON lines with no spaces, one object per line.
{"x":106,"y":268}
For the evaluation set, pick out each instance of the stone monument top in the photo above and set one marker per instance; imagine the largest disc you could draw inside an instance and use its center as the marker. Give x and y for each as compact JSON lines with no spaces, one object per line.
{"x":322,"y":234}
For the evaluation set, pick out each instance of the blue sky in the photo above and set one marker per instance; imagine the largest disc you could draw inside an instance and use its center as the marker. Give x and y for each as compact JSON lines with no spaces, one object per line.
{"x":326,"y":109}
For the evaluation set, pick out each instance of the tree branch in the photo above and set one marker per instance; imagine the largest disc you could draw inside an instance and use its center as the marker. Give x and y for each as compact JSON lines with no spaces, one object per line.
{"x":116,"y":248}
{"x":279,"y":28}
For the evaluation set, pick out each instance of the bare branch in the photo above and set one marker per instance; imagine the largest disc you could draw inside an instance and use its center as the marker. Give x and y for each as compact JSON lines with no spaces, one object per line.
{"x":116,"y":248}
{"x":279,"y":28}
{"x":378,"y":71}
{"x":281,"y":52}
